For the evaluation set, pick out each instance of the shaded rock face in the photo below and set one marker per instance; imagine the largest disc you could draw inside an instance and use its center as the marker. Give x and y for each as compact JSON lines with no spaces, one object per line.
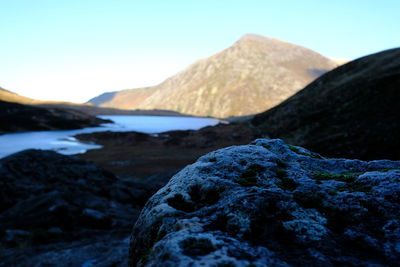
{"x":63,"y":211}
{"x":272,"y":204}
{"x":351,"y":111}
{"x":19,"y":118}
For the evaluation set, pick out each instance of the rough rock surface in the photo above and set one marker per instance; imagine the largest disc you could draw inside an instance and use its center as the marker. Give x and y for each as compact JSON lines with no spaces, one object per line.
{"x":272,"y":204}
{"x":58,"y":210}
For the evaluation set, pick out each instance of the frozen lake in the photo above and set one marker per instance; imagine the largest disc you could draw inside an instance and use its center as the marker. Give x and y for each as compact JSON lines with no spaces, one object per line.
{"x":64,"y":142}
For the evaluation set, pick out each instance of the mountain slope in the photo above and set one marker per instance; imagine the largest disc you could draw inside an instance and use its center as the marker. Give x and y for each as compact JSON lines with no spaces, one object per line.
{"x":254,"y":74}
{"x":9,"y":96}
{"x":351,"y":111}
{"x":125,"y":99}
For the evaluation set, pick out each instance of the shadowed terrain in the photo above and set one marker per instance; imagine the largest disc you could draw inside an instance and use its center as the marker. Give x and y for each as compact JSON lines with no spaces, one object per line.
{"x":20,"y":118}
{"x":58,"y":210}
{"x":142,"y":155}
{"x":349,"y":112}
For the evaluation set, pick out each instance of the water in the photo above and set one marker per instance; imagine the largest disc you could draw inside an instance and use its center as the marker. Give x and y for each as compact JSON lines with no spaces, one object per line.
{"x":64,"y":142}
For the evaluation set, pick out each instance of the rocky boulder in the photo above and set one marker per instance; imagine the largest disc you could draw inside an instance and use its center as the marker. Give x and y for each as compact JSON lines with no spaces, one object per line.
{"x":272,"y":204}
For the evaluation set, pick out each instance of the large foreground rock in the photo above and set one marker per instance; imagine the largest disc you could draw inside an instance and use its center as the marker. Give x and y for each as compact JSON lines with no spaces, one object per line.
{"x":270,"y":204}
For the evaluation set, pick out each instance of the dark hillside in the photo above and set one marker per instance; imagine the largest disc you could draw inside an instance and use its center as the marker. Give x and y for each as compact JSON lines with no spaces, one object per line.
{"x":352,"y":111}
{"x":19,"y":118}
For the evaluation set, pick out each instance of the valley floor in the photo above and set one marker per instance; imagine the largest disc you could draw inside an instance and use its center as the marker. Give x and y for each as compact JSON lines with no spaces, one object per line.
{"x":138,"y":155}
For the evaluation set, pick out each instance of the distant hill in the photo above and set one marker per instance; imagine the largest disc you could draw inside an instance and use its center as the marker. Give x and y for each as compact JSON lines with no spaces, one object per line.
{"x":16,"y":117}
{"x":95,"y":111}
{"x":352,"y":111}
{"x":9,"y":96}
{"x":19,"y":114}
{"x":6,"y":95}
{"x":253,"y":75}
{"x":105,"y":97}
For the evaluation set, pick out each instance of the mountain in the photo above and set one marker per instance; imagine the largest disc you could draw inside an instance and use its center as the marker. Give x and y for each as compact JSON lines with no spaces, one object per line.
{"x":352,"y":111}
{"x":253,"y":75}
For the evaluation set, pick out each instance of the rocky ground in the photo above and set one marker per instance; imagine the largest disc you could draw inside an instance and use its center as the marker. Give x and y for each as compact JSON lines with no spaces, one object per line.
{"x":272,"y":204}
{"x":264,"y":204}
{"x":60,"y":210}
{"x":65,"y":211}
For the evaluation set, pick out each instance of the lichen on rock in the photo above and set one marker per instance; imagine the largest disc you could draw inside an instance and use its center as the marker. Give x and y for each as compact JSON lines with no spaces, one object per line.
{"x":270,"y":204}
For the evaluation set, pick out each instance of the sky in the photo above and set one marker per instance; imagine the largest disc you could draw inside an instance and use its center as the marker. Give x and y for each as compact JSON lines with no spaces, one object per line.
{"x":73,"y":50}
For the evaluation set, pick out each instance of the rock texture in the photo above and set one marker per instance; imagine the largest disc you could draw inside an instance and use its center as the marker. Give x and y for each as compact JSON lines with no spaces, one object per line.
{"x":58,"y":210}
{"x":254,"y":74}
{"x":349,"y":112}
{"x":272,"y":204}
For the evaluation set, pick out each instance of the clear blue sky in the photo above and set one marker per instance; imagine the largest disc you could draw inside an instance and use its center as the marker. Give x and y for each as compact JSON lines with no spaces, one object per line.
{"x":75,"y":49}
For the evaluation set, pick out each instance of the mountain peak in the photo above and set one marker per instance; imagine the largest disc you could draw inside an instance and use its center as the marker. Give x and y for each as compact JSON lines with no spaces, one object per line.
{"x":256,"y":37}
{"x":254,"y":74}
{"x":261,"y":39}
